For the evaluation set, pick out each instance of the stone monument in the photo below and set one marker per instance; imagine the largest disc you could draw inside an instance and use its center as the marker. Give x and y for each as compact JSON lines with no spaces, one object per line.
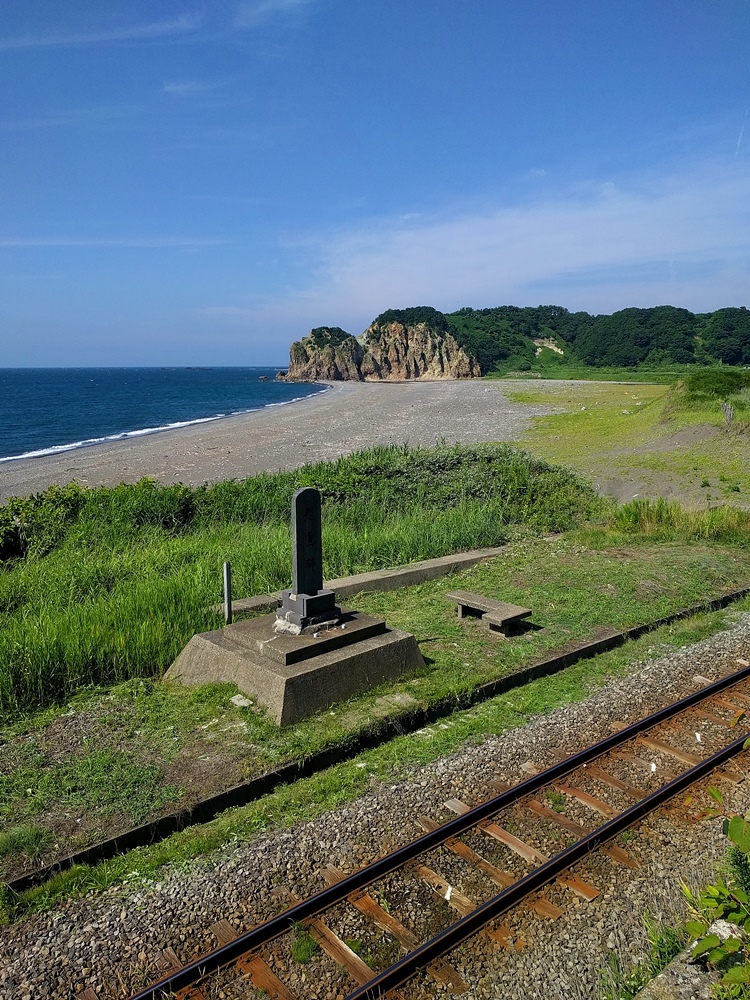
{"x":307,"y":607}
{"x":310,"y":653}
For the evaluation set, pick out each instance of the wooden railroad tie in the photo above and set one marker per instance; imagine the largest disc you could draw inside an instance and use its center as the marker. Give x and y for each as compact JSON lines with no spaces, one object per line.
{"x":527,"y":852}
{"x":571,"y":825}
{"x":260,"y":974}
{"x":440,"y":970}
{"x":497,"y":615}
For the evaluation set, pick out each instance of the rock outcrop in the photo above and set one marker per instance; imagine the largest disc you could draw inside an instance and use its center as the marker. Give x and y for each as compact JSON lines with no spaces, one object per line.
{"x":398,"y":349}
{"x":327,"y":353}
{"x":400,"y":344}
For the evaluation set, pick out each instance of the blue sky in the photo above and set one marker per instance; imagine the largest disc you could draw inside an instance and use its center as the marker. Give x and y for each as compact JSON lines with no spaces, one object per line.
{"x":202,"y":184}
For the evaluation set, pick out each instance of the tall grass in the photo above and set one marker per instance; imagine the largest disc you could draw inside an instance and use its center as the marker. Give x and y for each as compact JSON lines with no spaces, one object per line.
{"x":100,"y":585}
{"x":707,"y":394}
{"x":667,"y":520}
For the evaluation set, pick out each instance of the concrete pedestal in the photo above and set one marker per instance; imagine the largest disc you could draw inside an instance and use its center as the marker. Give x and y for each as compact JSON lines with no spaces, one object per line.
{"x":295,"y":676}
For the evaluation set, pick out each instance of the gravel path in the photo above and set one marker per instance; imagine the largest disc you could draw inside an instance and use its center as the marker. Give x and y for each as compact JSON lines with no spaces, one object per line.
{"x":107,"y":941}
{"x":349,"y":416}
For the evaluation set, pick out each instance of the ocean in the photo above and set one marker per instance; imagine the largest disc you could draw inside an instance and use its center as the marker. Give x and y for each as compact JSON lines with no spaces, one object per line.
{"x":49,"y":410}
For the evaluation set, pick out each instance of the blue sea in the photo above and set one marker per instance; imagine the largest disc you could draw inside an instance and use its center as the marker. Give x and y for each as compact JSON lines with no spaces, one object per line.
{"x":49,"y":410}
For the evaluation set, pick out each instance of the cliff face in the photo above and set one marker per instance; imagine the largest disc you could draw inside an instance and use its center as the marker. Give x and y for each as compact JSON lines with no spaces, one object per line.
{"x":399,"y":345}
{"x":326,"y":353}
{"x":398,"y":350}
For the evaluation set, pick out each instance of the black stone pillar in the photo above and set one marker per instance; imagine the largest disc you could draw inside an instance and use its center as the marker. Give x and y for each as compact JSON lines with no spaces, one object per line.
{"x":307,"y":605}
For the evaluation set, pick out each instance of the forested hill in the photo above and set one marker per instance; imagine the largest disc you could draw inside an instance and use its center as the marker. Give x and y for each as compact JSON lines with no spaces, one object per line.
{"x":509,"y":338}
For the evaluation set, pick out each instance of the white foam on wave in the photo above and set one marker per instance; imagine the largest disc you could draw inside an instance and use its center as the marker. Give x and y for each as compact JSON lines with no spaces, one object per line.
{"x":59,"y":448}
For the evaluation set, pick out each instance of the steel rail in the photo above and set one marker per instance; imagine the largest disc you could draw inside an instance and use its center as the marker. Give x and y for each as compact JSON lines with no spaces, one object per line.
{"x":269,"y":930}
{"x":468,"y":926}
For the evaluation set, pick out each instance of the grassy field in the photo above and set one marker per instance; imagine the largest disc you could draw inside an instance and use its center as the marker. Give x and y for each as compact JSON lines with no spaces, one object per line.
{"x":102,"y":585}
{"x":551,"y":367}
{"x":645,"y":441}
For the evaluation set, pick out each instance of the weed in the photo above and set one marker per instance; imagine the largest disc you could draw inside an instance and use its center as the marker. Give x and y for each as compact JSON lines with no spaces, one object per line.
{"x":304,"y":946}
{"x":669,"y":520}
{"x":731,"y":991}
{"x":28,"y":841}
{"x":358,"y":947}
{"x":664,"y":942}
{"x":556,"y":800}
{"x":728,"y":899}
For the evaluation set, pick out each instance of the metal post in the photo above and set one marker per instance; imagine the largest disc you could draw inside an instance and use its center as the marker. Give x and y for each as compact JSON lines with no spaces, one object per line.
{"x":228,"y":593}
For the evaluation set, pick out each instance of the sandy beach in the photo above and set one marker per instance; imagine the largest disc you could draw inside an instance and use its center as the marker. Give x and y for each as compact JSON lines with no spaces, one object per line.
{"x":349,"y":416}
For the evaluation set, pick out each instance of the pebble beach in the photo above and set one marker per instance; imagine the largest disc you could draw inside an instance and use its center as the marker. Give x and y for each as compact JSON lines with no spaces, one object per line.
{"x":350,"y":416}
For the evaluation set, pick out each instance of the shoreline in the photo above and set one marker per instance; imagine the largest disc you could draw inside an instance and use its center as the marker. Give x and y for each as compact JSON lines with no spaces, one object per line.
{"x":137,"y":432}
{"x":346,"y":417}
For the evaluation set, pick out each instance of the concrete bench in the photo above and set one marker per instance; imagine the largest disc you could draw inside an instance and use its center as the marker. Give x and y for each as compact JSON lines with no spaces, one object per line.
{"x":498,"y":615}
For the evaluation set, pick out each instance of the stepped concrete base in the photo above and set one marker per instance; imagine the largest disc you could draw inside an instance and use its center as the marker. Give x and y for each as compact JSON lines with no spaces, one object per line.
{"x":294,"y":677}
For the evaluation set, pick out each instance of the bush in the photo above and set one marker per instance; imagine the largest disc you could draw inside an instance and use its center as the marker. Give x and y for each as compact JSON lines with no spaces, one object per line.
{"x":396,"y":479}
{"x":719,"y":382}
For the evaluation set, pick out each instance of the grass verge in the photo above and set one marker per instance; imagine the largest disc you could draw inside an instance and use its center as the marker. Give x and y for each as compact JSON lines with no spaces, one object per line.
{"x":592,"y":577}
{"x":169,"y":747}
{"x":396,"y":760}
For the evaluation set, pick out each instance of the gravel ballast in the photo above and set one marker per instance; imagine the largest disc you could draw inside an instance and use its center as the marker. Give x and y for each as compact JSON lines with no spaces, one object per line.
{"x":107,"y":941}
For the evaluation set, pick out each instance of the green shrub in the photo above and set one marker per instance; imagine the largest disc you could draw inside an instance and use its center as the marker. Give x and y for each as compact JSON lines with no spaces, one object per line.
{"x":727,"y":899}
{"x":395,"y":479}
{"x":719,"y":382}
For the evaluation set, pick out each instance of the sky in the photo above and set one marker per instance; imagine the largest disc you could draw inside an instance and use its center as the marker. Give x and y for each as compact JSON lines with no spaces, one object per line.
{"x":184,"y":183}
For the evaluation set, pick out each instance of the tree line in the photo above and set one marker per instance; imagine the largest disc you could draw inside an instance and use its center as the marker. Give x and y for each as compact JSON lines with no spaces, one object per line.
{"x":503,"y":337}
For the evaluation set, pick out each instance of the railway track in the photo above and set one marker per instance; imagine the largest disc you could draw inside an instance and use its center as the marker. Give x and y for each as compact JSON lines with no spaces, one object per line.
{"x":470,"y":872}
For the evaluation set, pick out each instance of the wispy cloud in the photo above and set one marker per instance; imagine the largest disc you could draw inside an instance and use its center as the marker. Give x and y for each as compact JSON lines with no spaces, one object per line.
{"x":739,"y":138}
{"x":191,"y":88}
{"x":154,"y":29}
{"x":682,"y":239}
{"x":10,"y":242}
{"x":85,"y":117}
{"x":253,"y":12}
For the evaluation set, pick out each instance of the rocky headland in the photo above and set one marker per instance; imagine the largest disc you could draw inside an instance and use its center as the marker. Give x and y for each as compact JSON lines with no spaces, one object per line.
{"x":400,"y":344}
{"x":423,"y":343}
